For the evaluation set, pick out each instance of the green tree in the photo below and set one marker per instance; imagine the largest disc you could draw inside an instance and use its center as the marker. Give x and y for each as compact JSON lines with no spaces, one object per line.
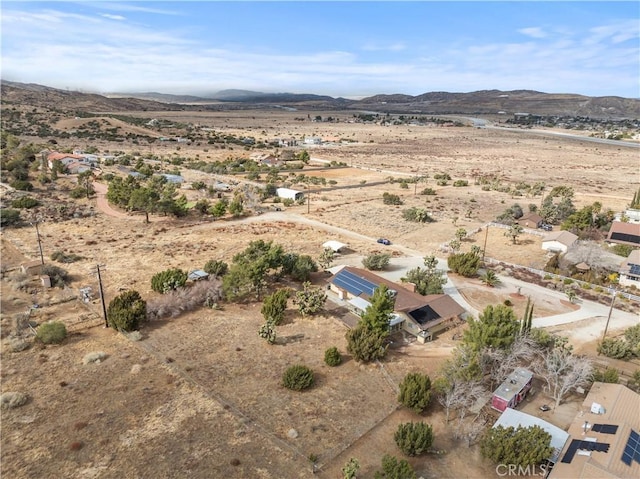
{"x":514,"y":232}
{"x":414,"y":438}
{"x":391,"y":199}
{"x":615,"y":348}
{"x":298,"y":267}
{"x":145,"y":200}
{"x":415,"y":392}
{"x":461,"y":234}
{"x":268,"y":332}
{"x":310,"y":300}
{"x":219,"y":209}
{"x":168,"y":280}
{"x":379,"y":312}
{"x":26,"y":202}
{"x":274,"y":306}
{"x":332,"y":357}
{"x":524,"y":446}
{"x":366,"y":345}
{"x":326,"y":258}
{"x":298,"y":377}
{"x":216,"y":267}
{"x":236,"y":207}
{"x":608,"y":375}
{"x":632,"y":336}
{"x":126,"y":311}
{"x":496,"y":327}
{"x":350,"y":469}
{"x":464,"y":264}
{"x":634,"y":382}
{"x":376,"y":262}
{"x":392,"y":468}
{"x":417,"y":215}
{"x":427,"y":281}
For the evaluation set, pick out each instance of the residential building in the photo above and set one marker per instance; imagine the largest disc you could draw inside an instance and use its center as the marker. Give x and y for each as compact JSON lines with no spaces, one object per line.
{"x":558,"y":241}
{"x":513,"y":390}
{"x":513,"y":418}
{"x":420,"y":316}
{"x":530,"y":220}
{"x":630,"y":270}
{"x":624,"y":233}
{"x":605,"y":436}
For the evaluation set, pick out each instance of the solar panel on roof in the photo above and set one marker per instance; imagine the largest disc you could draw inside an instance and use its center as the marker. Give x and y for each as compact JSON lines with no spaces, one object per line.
{"x":354,"y":284}
{"x":585,"y":446}
{"x":605,"y":428}
{"x":635,"y":269}
{"x":632,"y":449}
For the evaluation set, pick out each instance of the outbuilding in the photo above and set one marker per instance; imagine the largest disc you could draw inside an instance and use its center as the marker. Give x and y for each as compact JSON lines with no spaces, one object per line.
{"x":287,"y":193}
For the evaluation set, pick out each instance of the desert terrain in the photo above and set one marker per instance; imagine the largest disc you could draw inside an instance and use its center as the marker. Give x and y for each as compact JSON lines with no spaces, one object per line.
{"x":201,"y":393}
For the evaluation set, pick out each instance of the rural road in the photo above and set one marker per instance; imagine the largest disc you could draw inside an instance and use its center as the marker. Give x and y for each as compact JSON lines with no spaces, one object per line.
{"x":593,"y":315}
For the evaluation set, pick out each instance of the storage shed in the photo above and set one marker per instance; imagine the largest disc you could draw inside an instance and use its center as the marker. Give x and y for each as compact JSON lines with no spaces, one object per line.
{"x":288,"y":193}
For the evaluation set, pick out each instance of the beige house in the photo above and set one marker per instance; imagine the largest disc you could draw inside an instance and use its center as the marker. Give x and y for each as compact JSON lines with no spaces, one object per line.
{"x":530,"y":220}
{"x":558,"y":241}
{"x":420,"y":316}
{"x":604,"y":436}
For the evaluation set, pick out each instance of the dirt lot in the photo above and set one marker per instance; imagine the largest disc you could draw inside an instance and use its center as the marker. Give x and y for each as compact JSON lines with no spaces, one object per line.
{"x":201,"y":393}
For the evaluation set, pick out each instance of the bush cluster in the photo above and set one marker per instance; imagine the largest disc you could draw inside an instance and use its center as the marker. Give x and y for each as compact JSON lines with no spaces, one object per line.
{"x":168,"y":280}
{"x":52,"y":332}
{"x":414,"y":438}
{"x":332,"y":357}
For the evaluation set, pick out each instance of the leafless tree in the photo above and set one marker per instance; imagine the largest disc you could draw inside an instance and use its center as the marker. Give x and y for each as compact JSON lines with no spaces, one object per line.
{"x":499,"y":363}
{"x":562,"y":372}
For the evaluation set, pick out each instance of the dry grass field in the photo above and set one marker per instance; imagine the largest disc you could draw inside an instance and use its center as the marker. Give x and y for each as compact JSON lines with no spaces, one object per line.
{"x":200,"y":394}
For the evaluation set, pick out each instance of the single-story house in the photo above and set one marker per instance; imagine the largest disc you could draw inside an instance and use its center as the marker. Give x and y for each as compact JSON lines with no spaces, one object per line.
{"x":513,"y":418}
{"x":336,"y":246}
{"x":558,"y":241}
{"x":288,"y":193}
{"x":421,"y":316}
{"x":630,"y":270}
{"x":76,"y":167}
{"x":513,"y":390}
{"x":530,"y":220}
{"x":604,"y":437}
{"x":624,"y":233}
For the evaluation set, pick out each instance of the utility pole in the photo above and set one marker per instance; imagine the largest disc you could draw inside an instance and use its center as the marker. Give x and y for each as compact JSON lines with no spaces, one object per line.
{"x":308,"y":199}
{"x":39,"y":243}
{"x":104,"y":308}
{"x":484,"y":248}
{"x":613,"y":300}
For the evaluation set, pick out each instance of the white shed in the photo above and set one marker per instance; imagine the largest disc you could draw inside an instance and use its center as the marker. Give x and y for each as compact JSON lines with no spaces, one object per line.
{"x":558,"y":241}
{"x":336,"y":246}
{"x":289,"y":193}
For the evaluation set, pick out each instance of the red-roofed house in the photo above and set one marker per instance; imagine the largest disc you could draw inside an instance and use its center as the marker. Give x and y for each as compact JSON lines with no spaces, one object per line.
{"x":624,"y":233}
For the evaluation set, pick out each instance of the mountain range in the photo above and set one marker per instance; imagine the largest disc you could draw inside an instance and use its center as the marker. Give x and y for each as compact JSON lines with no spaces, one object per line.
{"x":484,"y":102}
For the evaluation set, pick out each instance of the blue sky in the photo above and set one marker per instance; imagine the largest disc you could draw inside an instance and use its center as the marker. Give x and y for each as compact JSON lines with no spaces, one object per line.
{"x":349,"y":49}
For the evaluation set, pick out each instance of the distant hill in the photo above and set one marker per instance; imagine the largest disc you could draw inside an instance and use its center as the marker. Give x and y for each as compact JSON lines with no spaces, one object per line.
{"x":484,"y":102}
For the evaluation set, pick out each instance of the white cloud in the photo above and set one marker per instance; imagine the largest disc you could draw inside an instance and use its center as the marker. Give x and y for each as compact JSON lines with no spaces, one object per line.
{"x":391,"y":47}
{"x":112,"y":17}
{"x":534,"y":32}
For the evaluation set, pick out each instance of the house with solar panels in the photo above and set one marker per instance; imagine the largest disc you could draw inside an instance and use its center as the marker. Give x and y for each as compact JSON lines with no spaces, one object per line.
{"x":420,"y":316}
{"x":630,"y":270}
{"x":604,"y":437}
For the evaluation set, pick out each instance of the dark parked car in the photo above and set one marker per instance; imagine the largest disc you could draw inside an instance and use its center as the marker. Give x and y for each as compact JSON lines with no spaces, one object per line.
{"x":546,"y":226}
{"x":384,"y":241}
{"x":544,"y":407}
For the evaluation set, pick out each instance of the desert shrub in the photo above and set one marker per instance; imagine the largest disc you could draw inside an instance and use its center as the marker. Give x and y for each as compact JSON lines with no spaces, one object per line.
{"x":22,"y":185}
{"x":634,"y":382}
{"x":94,"y":357}
{"x":274,"y":306}
{"x":392,"y":468}
{"x":172,"y":304}
{"x":297,"y":377}
{"x":287,"y":202}
{"x":567,"y":281}
{"x":415,"y":391}
{"x":632,"y":336}
{"x":126,"y":311}
{"x":62,"y":257}
{"x":608,"y":375}
{"x":58,"y":275}
{"x":442,"y":176}
{"x":168,"y":280}
{"x":507,"y":302}
{"x":216,"y":267}
{"x":366,"y":344}
{"x":376,"y":262}
{"x":615,"y":348}
{"x":622,"y":249}
{"x":428,"y":192}
{"x":414,"y":438}
{"x":390,"y":199}
{"x":332,"y":357}
{"x":52,"y":332}
{"x":417,"y":215}
{"x":78,"y":192}
{"x":25,"y":202}
{"x":9,"y":217}
{"x":310,"y":300}
{"x":459,"y":183}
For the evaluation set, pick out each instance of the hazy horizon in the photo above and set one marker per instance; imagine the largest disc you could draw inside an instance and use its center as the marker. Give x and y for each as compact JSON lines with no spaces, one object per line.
{"x":340,"y":49}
